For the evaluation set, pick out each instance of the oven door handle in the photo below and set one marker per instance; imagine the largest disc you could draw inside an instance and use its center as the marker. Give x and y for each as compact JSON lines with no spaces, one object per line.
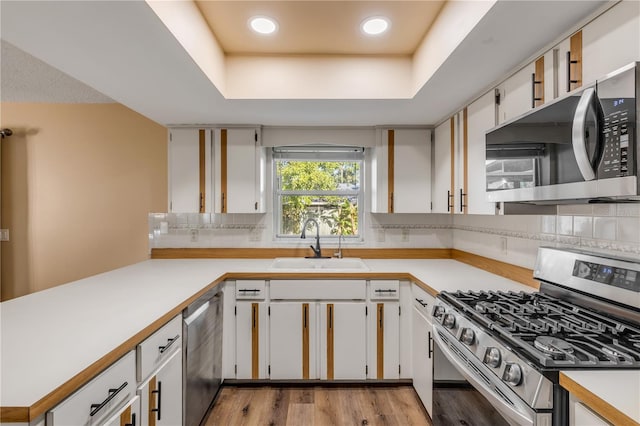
{"x":519,"y":413}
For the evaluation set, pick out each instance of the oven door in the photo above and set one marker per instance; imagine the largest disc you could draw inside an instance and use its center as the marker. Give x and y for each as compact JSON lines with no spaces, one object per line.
{"x":497,"y":393}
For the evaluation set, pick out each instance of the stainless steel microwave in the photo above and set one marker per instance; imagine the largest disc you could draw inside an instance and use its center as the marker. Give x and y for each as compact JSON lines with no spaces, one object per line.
{"x":582,"y":147}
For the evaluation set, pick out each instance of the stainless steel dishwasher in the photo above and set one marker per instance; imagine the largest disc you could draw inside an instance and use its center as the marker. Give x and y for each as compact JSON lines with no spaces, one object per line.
{"x":202,"y":345}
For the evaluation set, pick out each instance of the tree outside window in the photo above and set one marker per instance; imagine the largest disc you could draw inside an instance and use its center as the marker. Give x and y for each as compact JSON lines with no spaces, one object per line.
{"x":327,"y":191}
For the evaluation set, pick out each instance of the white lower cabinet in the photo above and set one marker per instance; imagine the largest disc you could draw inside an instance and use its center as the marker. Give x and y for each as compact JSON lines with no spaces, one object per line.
{"x":384,"y":340}
{"x":422,"y":351}
{"x":161,"y":394}
{"x":251,"y":340}
{"x":104,"y":398}
{"x":159,"y":360}
{"x":342,"y":342}
{"x":292,"y":345}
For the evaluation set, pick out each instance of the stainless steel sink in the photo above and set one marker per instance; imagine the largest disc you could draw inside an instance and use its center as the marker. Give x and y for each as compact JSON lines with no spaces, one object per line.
{"x":347,"y":264}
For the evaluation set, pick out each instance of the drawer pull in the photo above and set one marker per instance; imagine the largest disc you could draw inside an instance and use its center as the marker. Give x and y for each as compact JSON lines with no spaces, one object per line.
{"x":170,"y":342}
{"x":249,"y":290}
{"x":430,"y":344}
{"x":112,"y":393}
{"x":385,"y":291}
{"x":158,"y":408}
{"x":421,"y":302}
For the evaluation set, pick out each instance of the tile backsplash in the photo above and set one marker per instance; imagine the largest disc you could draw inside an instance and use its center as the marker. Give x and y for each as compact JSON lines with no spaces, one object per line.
{"x":607,"y":228}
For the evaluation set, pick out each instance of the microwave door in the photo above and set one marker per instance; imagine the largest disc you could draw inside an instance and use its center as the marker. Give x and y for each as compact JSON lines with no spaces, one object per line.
{"x":585,"y":135}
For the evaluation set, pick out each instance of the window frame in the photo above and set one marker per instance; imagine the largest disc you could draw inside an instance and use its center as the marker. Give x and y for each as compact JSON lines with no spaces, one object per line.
{"x":317,"y":153}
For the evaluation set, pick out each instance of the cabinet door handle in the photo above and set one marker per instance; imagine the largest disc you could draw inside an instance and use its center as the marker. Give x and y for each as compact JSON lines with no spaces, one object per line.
{"x":534,"y":82}
{"x":170,"y":342}
{"x":247,"y":290}
{"x":430,"y":344}
{"x":391,"y":199}
{"x":201,"y":202}
{"x":112,"y":393}
{"x":133,"y":420}
{"x":253,"y":309}
{"x":449,"y":200}
{"x":158,"y":392}
{"x":223,"y":209}
{"x":462,"y":204}
{"x":381,"y":317}
{"x":569,"y":62}
{"x":304,"y":317}
{"x":330,"y":317}
{"x":385,"y":291}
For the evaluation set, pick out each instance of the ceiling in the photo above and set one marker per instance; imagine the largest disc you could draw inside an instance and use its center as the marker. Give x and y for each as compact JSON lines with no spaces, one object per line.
{"x":319,"y":27}
{"x":121,"y":49}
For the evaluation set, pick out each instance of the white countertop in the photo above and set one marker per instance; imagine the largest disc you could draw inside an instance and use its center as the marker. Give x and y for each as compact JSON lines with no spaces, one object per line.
{"x":620,"y":389}
{"x":52,"y":335}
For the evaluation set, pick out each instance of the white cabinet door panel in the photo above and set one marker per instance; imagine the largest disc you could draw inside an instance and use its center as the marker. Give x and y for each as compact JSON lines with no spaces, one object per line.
{"x":348,"y":326}
{"x":480,"y":118}
{"x":441,"y":185}
{"x":184,"y":171}
{"x":422,"y":360}
{"x":412,"y":171}
{"x":286,"y":332}
{"x":251,"y":317}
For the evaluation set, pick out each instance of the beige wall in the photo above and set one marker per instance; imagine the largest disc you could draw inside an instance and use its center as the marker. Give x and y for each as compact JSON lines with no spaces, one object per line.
{"x":78,"y":181}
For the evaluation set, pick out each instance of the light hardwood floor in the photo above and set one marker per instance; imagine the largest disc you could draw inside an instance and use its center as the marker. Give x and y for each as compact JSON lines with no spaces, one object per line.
{"x":318,"y":406}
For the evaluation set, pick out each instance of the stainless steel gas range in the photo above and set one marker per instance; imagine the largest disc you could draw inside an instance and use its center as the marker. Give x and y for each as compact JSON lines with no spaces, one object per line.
{"x":511,"y":346}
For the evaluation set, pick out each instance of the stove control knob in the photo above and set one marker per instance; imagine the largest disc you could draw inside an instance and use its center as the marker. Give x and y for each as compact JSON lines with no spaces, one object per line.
{"x":493,"y":357}
{"x":449,"y":321}
{"x":467,"y":336}
{"x":438,"y":311}
{"x":512,"y":374}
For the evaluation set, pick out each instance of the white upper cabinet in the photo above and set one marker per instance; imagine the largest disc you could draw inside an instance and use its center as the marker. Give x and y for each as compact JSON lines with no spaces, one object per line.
{"x":480,"y":118}
{"x":189,"y":170}
{"x":611,"y":41}
{"x":516,"y":94}
{"x":402,"y":171}
{"x":442,"y":155}
{"x":240,"y":175}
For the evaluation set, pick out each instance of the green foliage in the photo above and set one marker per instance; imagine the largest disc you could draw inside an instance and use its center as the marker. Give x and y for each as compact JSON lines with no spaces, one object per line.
{"x":337,"y":212}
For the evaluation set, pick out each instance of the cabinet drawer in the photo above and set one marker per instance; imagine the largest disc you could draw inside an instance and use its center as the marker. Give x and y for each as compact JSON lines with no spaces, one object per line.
{"x":318,"y":290}
{"x":158,"y":347}
{"x":422,"y":301}
{"x":384,"y":290}
{"x":101,"y":398}
{"x":250,"y":290}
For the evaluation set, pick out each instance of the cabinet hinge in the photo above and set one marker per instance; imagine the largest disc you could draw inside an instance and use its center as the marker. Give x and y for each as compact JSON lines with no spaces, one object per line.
{"x":269,"y":310}
{"x":399,"y":310}
{"x":255,"y":134}
{"x":171,"y":206}
{"x":399,"y":368}
{"x":236,"y":368}
{"x":256,"y":207}
{"x":497,"y":96}
{"x":366,"y":310}
{"x":366,"y":369}
{"x":235,"y":310}
{"x":170,"y":136}
{"x":269,"y":370}
{"x":433,"y":136}
{"x":431,"y":205}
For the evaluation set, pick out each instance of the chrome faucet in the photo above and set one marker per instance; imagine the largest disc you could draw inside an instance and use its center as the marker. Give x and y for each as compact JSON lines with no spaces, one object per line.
{"x":338,"y":253}
{"x":316,"y":249}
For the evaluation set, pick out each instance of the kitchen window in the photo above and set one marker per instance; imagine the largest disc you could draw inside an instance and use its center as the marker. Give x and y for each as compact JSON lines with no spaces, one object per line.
{"x":321,"y":183}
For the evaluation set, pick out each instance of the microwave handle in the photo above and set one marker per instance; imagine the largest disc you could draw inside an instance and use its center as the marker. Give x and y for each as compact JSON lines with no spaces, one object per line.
{"x":578,"y":140}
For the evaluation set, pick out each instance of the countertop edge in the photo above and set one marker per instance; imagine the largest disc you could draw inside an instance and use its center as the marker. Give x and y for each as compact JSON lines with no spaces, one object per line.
{"x":597,"y":404}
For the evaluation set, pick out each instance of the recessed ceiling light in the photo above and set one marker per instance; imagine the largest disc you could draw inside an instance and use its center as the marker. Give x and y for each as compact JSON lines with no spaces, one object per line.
{"x":263,"y":25}
{"x":375,"y":25}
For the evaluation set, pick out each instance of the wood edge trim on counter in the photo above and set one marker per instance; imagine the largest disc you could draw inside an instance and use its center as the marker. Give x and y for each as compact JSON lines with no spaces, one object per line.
{"x":595,"y":403}
{"x":50,"y":400}
{"x":271,"y":253}
{"x":14,"y":414}
{"x":506,"y":270}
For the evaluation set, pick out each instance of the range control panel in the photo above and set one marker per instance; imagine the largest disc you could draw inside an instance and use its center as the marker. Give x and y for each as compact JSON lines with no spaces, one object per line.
{"x":618,"y":277}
